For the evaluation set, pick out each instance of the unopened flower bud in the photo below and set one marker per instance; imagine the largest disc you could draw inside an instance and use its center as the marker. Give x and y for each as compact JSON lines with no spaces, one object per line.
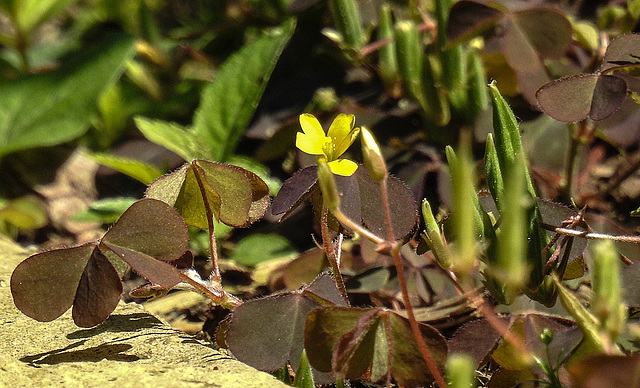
{"x":372,"y":155}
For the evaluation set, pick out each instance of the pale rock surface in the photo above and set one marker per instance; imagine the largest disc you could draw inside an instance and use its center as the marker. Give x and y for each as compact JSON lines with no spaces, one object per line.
{"x":131,"y":349}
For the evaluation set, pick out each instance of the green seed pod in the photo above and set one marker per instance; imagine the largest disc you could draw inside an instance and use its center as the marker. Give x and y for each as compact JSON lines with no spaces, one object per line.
{"x":373,"y":159}
{"x":409,"y":57}
{"x":347,"y":20}
{"x":607,"y":293}
{"x":433,"y":237}
{"x":477,"y":96}
{"x":387,"y":54}
{"x":460,"y":371}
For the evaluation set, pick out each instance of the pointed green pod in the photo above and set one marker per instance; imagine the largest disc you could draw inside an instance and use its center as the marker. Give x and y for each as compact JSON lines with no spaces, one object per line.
{"x":347,"y":20}
{"x":607,"y":292}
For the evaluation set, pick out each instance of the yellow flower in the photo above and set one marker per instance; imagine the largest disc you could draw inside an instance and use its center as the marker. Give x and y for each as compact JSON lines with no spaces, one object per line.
{"x":329,"y":147}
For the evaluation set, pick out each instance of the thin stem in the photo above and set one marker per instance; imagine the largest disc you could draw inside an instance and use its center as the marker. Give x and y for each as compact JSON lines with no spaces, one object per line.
{"x":331,"y":254}
{"x":215,"y":274}
{"x":397,"y":259}
{"x":571,"y":161}
{"x":217,"y":295}
{"x":346,"y":221}
{"x":592,"y":235}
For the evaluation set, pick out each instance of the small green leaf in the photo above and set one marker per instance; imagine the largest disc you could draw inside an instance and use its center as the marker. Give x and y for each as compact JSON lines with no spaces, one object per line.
{"x":304,"y":375}
{"x":55,"y":107}
{"x":136,"y":169}
{"x":257,"y":248}
{"x":106,"y":211}
{"x":172,"y":136}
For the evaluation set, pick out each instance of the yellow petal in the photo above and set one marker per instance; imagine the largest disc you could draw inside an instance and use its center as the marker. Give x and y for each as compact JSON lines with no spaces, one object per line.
{"x":343,"y":133}
{"x":343,"y":167}
{"x":308,"y":144}
{"x":311,"y":126}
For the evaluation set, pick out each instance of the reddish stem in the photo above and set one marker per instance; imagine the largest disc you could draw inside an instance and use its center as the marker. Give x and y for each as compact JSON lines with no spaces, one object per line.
{"x":331,"y":254}
{"x":397,"y":259}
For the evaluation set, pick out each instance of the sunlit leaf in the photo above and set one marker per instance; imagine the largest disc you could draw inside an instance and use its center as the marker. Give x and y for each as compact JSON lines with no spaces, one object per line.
{"x":234,"y":196}
{"x":229,"y":101}
{"x":148,"y":236}
{"x":136,"y":169}
{"x":227,"y":104}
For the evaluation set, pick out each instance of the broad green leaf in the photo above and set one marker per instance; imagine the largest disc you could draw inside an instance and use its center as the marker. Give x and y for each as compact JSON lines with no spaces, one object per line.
{"x":257,"y":248}
{"x":228,"y":103}
{"x":136,"y":169}
{"x":55,"y":107}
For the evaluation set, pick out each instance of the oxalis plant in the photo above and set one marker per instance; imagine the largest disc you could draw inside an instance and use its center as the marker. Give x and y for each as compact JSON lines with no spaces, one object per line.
{"x":492,"y":248}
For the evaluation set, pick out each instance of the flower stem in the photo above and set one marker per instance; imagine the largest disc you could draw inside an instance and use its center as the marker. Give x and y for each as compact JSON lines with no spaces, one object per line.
{"x":397,"y":259}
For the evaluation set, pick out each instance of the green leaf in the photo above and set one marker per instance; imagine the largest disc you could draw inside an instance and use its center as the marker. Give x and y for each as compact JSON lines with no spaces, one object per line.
{"x":55,"y":107}
{"x":229,"y":101}
{"x":136,"y":169}
{"x":257,"y":248}
{"x":29,"y":14}
{"x":304,"y":375}
{"x":172,"y":137}
{"x":105,"y":211}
